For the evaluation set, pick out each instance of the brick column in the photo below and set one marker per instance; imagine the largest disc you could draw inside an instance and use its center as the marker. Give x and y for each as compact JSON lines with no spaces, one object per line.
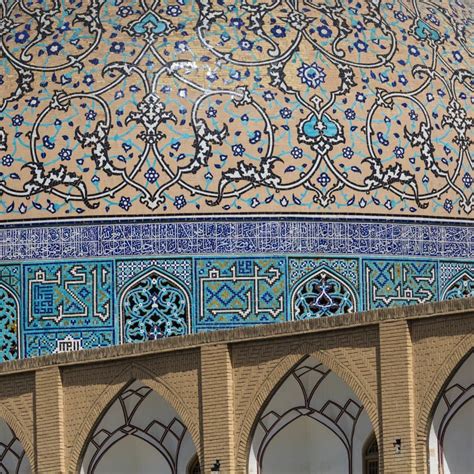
{"x":397,"y":398}
{"x":49,"y":421}
{"x":217,"y":408}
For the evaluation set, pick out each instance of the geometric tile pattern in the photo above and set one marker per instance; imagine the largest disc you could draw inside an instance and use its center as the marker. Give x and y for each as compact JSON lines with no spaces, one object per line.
{"x":67,"y":305}
{"x":392,"y":282}
{"x":181,"y":269}
{"x":74,"y":299}
{"x":239,"y":291}
{"x":456,"y":280}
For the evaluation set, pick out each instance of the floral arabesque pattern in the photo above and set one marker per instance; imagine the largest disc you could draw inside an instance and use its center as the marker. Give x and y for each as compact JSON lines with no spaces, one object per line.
{"x":199,"y":106}
{"x":154,"y":307}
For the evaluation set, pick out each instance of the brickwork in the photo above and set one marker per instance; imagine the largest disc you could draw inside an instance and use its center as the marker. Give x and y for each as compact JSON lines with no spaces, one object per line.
{"x":90,"y":389}
{"x":217,"y":414}
{"x":396,"y":395}
{"x":49,"y":420}
{"x":396,"y":362}
{"x":16,"y":408}
{"x":444,"y":344}
{"x":351,"y":355}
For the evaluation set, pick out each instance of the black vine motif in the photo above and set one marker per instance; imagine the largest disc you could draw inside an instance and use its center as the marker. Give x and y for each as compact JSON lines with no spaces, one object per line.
{"x":151,"y":114}
{"x":261,"y":176}
{"x":44,"y":24}
{"x":43,"y":181}
{"x":392,"y":174}
{"x":236,"y":100}
{"x":208,"y":15}
{"x":457,"y":119}
{"x":3,"y":139}
{"x":24,"y":81}
{"x":98,"y":140}
{"x":91,"y":17}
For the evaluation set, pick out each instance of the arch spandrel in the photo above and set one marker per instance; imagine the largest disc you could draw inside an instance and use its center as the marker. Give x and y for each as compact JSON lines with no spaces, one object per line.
{"x":16,"y":452}
{"x":448,"y":447}
{"x":453,"y":359}
{"x":135,"y":372}
{"x":323,"y":293}
{"x":319,"y":386}
{"x":444,"y":375}
{"x":349,"y":375}
{"x":9,"y":329}
{"x":140,"y":415}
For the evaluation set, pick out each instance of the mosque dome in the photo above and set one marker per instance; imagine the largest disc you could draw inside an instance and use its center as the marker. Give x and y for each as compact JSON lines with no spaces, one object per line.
{"x":174,"y":167}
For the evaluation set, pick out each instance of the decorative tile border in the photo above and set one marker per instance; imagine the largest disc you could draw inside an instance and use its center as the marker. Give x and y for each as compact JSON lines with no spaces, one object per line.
{"x":64,"y":300}
{"x":240,"y":237}
{"x":49,"y":307}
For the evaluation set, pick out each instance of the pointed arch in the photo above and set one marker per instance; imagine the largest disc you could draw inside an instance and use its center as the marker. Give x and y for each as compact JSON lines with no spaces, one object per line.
{"x":153,"y":305}
{"x":323,"y":293}
{"x":134,"y":372}
{"x":429,"y":403}
{"x":371,"y":455}
{"x":454,"y":407}
{"x":13,"y":457}
{"x":277,"y":376}
{"x":194,"y":466}
{"x":138,"y":421}
{"x":23,"y":435}
{"x":310,"y":401}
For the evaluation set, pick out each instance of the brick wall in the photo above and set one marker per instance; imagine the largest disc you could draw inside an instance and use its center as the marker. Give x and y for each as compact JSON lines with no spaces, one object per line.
{"x":396,"y":361}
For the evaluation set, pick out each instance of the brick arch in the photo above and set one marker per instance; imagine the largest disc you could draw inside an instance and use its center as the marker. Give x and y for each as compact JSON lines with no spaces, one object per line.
{"x":107,"y":397}
{"x":26,"y":439}
{"x":278,"y":375}
{"x":448,"y":368}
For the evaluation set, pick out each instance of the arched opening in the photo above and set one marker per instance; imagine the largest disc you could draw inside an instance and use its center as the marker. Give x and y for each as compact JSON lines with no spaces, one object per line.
{"x":13,"y":459}
{"x":313,"y":423}
{"x":371,"y":456}
{"x":141,"y":433}
{"x":194,"y":466}
{"x":451,"y":438}
{"x":135,"y":455}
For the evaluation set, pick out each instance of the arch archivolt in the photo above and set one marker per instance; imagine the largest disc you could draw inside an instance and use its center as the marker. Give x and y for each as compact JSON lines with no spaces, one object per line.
{"x":451,"y":363}
{"x":428,"y":405}
{"x":100,"y":405}
{"x":25,"y":436}
{"x":341,"y":367}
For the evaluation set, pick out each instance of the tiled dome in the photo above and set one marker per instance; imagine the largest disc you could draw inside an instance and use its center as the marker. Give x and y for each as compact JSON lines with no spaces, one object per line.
{"x":235,"y":162}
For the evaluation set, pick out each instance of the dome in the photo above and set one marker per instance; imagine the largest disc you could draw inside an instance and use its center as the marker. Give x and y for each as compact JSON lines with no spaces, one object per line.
{"x":194,"y":165}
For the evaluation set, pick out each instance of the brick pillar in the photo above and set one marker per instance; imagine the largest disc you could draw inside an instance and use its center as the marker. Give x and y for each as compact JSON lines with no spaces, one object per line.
{"x":49,"y":421}
{"x":397,"y":398}
{"x":217,"y":408}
